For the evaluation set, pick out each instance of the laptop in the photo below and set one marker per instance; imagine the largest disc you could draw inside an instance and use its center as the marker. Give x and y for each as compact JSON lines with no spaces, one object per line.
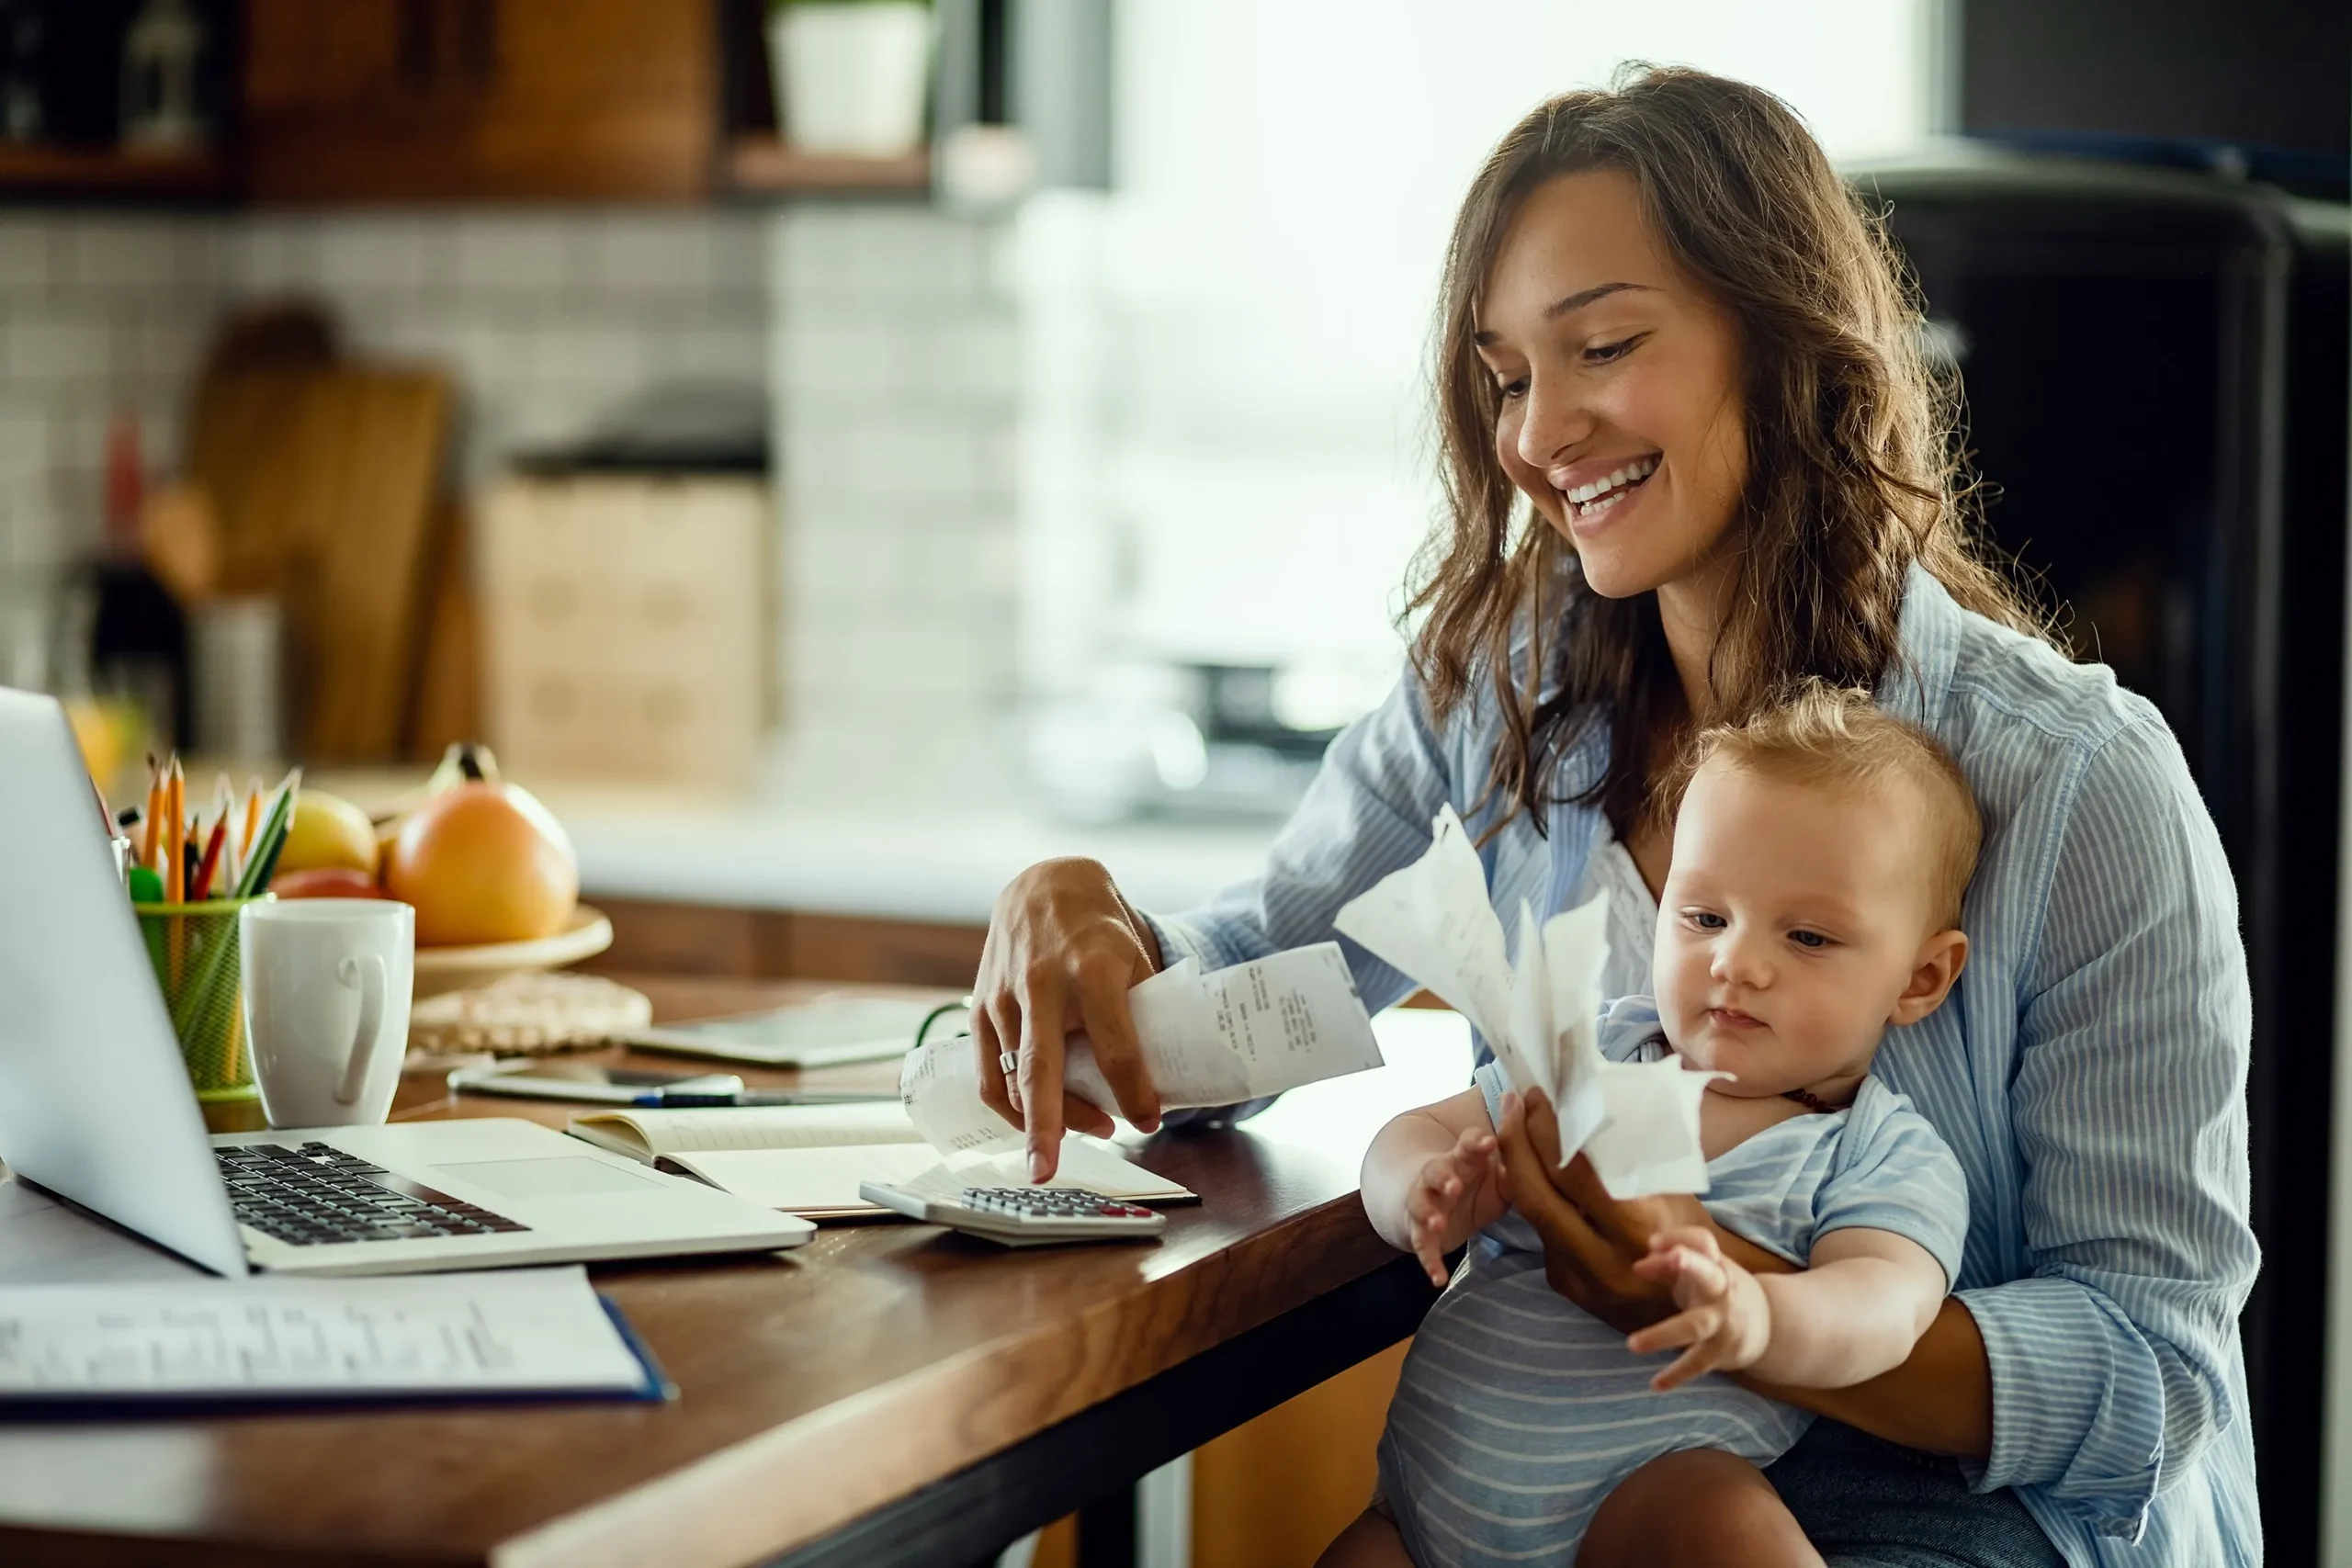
{"x":96,"y":1107}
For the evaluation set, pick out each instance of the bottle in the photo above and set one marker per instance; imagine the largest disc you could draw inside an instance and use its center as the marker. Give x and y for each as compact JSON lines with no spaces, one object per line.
{"x":137,"y":648}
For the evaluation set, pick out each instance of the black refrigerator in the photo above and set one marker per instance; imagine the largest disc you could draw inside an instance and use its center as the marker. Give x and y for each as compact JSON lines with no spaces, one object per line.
{"x":2154,"y":362}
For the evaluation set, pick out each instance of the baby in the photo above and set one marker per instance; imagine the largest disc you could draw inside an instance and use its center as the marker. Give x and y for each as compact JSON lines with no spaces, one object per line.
{"x":1820,"y":854}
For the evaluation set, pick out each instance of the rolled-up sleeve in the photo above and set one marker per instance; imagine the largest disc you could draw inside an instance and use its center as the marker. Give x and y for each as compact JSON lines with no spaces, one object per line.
{"x":2112,"y":1361}
{"x":1367,"y":813}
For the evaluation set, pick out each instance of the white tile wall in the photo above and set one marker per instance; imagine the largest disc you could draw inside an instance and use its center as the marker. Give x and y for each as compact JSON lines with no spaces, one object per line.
{"x":545,"y":319}
{"x":895,"y":354}
{"x":99,"y":314}
{"x":888,"y":334}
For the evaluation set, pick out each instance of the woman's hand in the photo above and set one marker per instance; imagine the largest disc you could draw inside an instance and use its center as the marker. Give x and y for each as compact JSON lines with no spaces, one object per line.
{"x":1063,"y":948}
{"x":1591,"y":1241}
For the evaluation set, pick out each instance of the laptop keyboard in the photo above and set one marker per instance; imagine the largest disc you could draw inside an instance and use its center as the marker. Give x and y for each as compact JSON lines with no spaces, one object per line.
{"x":315,"y":1194}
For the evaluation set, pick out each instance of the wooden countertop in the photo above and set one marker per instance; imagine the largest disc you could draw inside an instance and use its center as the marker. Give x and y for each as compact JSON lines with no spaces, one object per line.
{"x":817,"y":1385}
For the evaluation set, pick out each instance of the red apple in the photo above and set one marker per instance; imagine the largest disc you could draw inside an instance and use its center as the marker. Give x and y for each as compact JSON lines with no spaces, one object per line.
{"x":326,"y":882}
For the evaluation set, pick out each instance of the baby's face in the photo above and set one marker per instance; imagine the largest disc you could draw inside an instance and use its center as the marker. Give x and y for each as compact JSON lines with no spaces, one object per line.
{"x":1794,"y":921}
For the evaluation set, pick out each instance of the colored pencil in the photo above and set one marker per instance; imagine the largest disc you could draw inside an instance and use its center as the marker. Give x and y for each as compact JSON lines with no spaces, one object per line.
{"x":175,"y":839}
{"x":252,"y":823}
{"x":271,"y":837}
{"x":211,"y":863}
{"x":224,"y":817}
{"x":152,"y":826}
{"x":175,"y":835}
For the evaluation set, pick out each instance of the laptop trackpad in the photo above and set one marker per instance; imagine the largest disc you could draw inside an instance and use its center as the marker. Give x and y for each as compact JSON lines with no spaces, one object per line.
{"x":560,"y":1176}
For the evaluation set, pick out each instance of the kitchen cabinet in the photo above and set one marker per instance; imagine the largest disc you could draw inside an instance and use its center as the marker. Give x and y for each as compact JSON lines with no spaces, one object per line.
{"x":700,"y":939}
{"x":442,"y":100}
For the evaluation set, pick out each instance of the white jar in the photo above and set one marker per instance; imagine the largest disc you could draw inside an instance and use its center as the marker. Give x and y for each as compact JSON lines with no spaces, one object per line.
{"x":852,"y":78}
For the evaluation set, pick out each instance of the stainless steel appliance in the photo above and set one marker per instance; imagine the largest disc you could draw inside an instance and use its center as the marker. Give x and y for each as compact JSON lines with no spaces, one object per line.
{"x":2155,"y":367}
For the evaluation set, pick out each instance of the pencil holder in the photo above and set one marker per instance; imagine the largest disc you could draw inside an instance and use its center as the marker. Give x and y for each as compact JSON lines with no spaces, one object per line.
{"x":194,"y":950}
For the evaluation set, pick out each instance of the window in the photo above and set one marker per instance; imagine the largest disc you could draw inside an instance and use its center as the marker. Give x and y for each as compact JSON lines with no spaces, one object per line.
{"x":1228,"y":451}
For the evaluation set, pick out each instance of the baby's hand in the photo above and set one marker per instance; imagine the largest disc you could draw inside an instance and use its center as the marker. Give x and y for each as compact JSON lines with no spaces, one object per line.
{"x":1724,"y":1320}
{"x":1438,"y":1208}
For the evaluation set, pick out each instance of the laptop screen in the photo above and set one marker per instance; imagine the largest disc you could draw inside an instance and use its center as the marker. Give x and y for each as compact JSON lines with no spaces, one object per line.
{"x":94,"y":1103}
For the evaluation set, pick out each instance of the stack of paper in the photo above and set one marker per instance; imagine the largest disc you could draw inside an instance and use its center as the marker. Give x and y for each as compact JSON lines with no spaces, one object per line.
{"x":1638,"y":1123}
{"x":1208,"y":1039}
{"x":535,"y":1332}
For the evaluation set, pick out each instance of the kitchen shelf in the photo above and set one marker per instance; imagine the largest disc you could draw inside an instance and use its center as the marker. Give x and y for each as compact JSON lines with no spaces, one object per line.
{"x":72,"y":172}
{"x":762,"y":165}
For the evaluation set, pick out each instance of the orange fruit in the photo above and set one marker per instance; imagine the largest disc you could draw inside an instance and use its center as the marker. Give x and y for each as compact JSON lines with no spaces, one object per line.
{"x":483,"y":863}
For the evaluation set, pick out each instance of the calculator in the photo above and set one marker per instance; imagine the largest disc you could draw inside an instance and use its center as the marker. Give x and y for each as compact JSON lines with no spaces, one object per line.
{"x":1023,"y":1216}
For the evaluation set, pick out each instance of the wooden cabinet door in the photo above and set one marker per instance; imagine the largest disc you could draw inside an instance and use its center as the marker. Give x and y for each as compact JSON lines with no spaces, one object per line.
{"x":515,"y":100}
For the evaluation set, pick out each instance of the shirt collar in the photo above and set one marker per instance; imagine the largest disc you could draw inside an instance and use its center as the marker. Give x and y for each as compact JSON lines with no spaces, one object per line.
{"x":1926,"y":650}
{"x":1914,"y":689}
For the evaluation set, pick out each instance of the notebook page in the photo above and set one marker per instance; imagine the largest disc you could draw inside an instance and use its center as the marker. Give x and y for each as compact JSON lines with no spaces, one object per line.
{"x":809,"y":1182}
{"x":528,"y":1330}
{"x":760,"y":1126}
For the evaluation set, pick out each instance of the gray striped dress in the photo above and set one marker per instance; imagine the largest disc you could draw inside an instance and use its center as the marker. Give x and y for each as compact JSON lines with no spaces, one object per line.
{"x":1517,"y":1412}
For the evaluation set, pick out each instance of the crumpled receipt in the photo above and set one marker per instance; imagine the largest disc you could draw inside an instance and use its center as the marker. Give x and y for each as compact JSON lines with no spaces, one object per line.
{"x":1637,"y":1123}
{"x":1217,"y":1037}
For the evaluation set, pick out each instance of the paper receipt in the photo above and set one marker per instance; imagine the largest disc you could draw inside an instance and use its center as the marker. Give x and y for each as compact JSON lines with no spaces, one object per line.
{"x":1638,"y":1123}
{"x":1209,"y":1038}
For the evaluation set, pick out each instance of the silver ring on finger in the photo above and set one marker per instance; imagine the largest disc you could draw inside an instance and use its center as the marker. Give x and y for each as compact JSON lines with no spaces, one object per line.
{"x":1007,"y":1062}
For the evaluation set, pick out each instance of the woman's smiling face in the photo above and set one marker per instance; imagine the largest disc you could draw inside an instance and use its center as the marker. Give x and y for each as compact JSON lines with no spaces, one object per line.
{"x":1621,"y":410}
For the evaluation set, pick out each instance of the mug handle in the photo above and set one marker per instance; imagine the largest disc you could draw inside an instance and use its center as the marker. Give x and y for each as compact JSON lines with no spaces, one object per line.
{"x":366,"y":970}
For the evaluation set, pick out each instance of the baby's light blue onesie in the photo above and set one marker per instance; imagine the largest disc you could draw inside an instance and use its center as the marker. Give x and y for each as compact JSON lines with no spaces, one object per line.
{"x":1517,"y":1412}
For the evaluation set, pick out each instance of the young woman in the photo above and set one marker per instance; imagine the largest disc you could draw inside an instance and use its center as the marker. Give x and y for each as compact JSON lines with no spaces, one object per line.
{"x":1694,"y":452}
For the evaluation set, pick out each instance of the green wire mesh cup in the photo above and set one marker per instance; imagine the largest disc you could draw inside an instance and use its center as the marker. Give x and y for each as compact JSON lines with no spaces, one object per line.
{"x":194,"y":950}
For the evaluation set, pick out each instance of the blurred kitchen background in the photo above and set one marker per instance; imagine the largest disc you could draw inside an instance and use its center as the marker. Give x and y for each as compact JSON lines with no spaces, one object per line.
{"x":841,"y":453}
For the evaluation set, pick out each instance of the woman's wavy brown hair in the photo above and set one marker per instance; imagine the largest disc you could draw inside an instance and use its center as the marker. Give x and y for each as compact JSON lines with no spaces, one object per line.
{"x":1853,"y":469}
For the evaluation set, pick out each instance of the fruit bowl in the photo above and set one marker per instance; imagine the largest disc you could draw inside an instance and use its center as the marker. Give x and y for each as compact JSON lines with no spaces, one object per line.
{"x":440,"y":969}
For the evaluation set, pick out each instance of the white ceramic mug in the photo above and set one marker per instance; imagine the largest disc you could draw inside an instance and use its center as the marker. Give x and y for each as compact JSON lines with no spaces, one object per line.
{"x":327,"y":983}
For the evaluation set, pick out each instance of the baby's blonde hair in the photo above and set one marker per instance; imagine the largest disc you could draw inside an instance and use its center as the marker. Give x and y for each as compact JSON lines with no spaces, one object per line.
{"x":1824,"y":735}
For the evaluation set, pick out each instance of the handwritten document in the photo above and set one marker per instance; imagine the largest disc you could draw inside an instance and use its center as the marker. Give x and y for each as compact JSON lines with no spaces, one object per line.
{"x":1213,"y":1038}
{"x":539,"y":1330}
{"x":1638,"y":1123}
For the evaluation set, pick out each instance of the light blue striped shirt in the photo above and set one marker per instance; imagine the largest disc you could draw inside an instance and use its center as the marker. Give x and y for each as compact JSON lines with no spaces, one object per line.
{"x":2088,"y":1071}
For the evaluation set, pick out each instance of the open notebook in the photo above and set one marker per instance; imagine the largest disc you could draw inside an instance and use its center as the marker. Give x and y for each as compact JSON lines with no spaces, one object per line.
{"x":811,"y":1159}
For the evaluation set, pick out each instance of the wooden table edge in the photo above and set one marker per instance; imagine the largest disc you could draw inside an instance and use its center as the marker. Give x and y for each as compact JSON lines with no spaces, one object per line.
{"x":727,"y":1509}
{"x":792,"y":1488}
{"x":1231,"y":1329}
